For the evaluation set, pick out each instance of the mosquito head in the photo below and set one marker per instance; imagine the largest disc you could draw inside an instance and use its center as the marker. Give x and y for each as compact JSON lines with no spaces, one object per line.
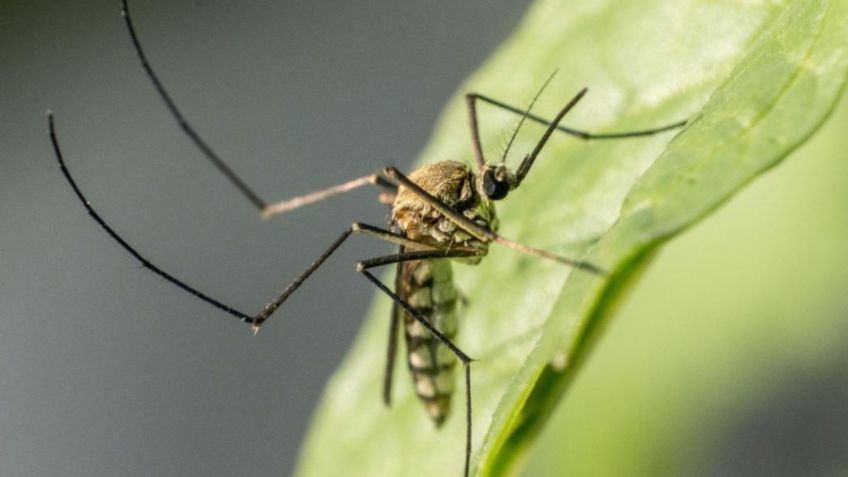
{"x":496,"y":181}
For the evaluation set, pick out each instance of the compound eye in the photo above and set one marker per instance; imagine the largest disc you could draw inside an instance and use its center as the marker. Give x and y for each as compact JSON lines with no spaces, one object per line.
{"x":495,"y":189}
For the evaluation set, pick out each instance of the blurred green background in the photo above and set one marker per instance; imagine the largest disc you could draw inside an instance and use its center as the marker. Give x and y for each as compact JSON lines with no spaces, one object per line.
{"x":730,"y":355}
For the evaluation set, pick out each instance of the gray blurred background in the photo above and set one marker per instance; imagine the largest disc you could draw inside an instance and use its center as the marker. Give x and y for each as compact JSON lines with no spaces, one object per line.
{"x":104,"y":368}
{"x":107,"y":370}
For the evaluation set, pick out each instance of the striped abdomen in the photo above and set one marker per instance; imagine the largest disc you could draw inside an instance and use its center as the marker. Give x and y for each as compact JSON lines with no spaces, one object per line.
{"x":427,"y":285}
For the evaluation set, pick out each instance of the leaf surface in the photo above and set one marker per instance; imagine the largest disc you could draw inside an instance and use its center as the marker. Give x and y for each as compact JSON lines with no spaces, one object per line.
{"x":757,"y":78}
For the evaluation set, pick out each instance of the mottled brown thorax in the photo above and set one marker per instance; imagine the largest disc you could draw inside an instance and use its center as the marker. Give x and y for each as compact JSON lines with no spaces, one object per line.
{"x":454,"y":184}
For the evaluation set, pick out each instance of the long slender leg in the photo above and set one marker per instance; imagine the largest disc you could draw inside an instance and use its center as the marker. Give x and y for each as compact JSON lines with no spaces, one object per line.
{"x":255,"y":320}
{"x":484,"y":233}
{"x":398,"y":239}
{"x":272,"y":306}
{"x":391,"y":349}
{"x":123,"y":243}
{"x":355,"y":228}
{"x":527,"y":163}
{"x":363,"y":266}
{"x":267,"y":210}
{"x":288,"y":205}
{"x":475,"y":132}
{"x":258,"y":319}
{"x":471,"y":104}
{"x":184,"y":125}
{"x":376,"y":232}
{"x":404,"y":256}
{"x":464,"y":358}
{"x":576,"y":132}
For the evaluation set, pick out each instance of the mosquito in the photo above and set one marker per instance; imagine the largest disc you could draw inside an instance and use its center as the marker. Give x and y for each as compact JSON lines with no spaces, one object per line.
{"x":441,"y":212}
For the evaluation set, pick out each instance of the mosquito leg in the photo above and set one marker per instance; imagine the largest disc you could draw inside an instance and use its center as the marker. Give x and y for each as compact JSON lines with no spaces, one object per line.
{"x":576,"y":132}
{"x":471,"y":104}
{"x":391,"y":350}
{"x":255,"y":320}
{"x":372,"y":231}
{"x":484,"y":233}
{"x":288,"y":205}
{"x":198,"y":141}
{"x":391,"y":354}
{"x":123,"y":243}
{"x":405,"y":256}
{"x":388,"y":236}
{"x":475,"y":132}
{"x":527,"y":163}
{"x":464,"y":358}
{"x":267,"y":210}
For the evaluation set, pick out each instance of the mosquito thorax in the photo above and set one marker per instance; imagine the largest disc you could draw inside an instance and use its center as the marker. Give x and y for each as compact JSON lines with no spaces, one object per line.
{"x":454,"y":184}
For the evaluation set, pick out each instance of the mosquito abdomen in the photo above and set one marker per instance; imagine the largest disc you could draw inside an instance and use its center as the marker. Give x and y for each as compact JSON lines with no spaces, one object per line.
{"x":427,"y":285}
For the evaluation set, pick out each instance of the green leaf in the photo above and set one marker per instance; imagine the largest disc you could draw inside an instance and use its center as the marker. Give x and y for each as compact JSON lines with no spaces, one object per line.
{"x":729,"y":356}
{"x":756,"y":78}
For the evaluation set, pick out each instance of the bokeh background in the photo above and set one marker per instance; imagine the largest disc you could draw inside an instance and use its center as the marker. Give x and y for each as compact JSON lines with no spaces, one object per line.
{"x":106,"y":370}
{"x":727,"y":359}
